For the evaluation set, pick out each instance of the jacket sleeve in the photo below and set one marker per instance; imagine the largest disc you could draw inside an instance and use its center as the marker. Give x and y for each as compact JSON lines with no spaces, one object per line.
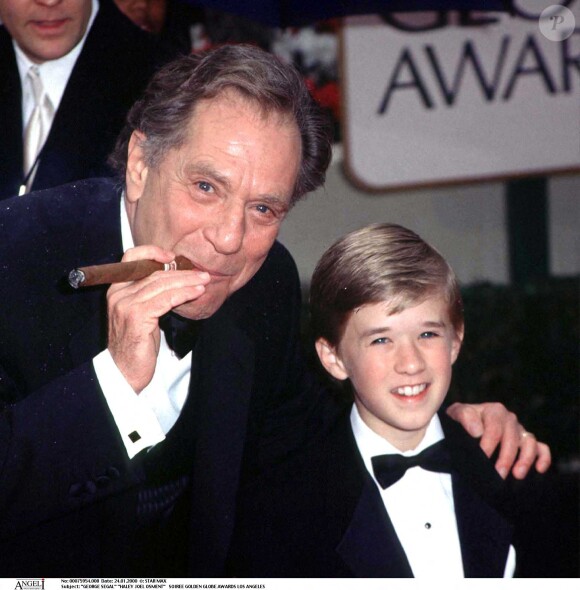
{"x":59,"y":451}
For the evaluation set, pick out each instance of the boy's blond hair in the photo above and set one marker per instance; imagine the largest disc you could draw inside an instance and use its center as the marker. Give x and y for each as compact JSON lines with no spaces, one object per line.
{"x":379,"y":262}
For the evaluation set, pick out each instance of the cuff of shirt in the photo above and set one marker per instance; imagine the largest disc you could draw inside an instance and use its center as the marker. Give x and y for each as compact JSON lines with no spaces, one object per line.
{"x":510,"y":566}
{"x":136,"y":421}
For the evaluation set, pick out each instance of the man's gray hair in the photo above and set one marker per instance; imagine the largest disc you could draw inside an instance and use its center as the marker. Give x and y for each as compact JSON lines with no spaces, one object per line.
{"x":163,"y":114}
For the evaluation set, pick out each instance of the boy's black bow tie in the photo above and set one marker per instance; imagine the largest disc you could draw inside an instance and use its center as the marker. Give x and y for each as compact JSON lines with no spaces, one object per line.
{"x":389,"y":469}
{"x":180,"y":333}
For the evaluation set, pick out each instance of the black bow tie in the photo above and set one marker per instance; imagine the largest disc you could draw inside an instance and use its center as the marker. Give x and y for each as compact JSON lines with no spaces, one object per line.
{"x":180,"y":332}
{"x":389,"y":469}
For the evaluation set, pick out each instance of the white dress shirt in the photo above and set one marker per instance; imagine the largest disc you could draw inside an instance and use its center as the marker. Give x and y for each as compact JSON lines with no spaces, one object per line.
{"x":420,"y":506}
{"x":53,"y":73}
{"x":153,"y":412}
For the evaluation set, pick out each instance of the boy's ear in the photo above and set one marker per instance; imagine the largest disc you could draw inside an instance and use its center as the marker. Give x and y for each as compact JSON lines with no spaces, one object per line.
{"x":136,"y":168}
{"x":456,"y":345}
{"x":330,"y":360}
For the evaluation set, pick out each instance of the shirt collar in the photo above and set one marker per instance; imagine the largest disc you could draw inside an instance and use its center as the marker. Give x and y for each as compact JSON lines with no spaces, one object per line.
{"x":126,"y":235}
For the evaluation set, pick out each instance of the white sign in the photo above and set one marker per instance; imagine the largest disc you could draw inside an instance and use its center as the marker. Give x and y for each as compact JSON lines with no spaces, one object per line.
{"x":461,"y":102}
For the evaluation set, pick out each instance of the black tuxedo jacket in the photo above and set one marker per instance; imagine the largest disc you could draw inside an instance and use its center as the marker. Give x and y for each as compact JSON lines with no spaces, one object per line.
{"x":321,"y":515}
{"x":67,"y":497}
{"x":110,"y":74}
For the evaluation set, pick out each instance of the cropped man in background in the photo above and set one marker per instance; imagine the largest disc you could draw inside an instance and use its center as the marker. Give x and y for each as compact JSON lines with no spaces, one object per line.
{"x":69,"y":72}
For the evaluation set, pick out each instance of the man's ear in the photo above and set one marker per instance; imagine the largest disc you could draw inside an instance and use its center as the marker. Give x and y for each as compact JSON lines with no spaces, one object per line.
{"x":330,"y":360}
{"x":456,"y":345}
{"x":136,"y":168}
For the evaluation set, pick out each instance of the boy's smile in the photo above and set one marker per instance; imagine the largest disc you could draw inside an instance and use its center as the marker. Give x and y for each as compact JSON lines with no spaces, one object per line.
{"x":399,"y":366}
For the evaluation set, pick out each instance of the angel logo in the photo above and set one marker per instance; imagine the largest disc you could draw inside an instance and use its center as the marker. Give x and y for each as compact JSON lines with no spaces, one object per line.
{"x":30,"y":584}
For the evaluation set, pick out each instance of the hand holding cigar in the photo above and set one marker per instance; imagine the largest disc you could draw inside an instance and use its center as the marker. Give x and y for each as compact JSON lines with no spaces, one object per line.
{"x":120,"y":272}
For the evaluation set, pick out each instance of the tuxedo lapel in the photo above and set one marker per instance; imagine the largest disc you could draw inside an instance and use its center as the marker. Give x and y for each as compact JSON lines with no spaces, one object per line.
{"x":485,"y":536}
{"x":478,"y":495}
{"x":223,"y":384}
{"x":11,"y":146}
{"x":370,"y":546}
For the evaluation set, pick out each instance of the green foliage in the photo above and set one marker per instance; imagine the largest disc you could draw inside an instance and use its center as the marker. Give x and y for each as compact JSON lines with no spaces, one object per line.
{"x":522,"y":348}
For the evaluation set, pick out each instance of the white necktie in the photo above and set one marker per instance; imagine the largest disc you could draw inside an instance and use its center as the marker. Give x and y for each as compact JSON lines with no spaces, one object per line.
{"x":38,"y":124}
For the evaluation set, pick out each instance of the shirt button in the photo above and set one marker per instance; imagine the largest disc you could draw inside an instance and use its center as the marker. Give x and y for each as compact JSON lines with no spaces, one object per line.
{"x":427,"y":525}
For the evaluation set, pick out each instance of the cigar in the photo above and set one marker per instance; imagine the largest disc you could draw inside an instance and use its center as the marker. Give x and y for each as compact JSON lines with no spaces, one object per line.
{"x":120,"y":272}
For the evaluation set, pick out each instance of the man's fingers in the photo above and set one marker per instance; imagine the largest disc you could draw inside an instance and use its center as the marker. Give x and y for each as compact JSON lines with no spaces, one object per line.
{"x":532,"y":451}
{"x":527,"y":447}
{"x":490,"y":421}
{"x":148,"y":252}
{"x":468,"y":416}
{"x":134,"y":310}
{"x":501,"y":427}
{"x":162,"y":290}
{"x":544,"y":458}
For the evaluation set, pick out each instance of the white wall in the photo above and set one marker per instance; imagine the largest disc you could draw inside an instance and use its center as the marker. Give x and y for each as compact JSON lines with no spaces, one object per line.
{"x":466,"y":223}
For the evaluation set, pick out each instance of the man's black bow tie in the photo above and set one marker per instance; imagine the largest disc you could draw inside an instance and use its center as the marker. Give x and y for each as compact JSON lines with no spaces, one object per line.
{"x":389,"y":469}
{"x":180,"y":332}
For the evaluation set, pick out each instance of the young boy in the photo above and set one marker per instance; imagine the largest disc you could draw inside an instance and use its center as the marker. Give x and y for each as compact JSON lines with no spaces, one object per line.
{"x":396,"y":490}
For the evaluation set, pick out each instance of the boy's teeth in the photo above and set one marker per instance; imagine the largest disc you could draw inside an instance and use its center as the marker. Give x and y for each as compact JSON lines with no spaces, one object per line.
{"x":410,"y":390}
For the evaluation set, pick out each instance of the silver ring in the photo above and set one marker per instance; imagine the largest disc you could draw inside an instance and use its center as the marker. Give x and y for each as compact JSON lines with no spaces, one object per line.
{"x":526,"y":433}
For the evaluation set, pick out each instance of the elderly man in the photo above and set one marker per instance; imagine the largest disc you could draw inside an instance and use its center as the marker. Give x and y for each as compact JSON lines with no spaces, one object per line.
{"x":121,"y":452}
{"x":69,"y":72}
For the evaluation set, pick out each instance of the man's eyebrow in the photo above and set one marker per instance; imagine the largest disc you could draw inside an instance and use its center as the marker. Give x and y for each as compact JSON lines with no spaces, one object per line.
{"x":276,"y":201}
{"x":207,"y":169}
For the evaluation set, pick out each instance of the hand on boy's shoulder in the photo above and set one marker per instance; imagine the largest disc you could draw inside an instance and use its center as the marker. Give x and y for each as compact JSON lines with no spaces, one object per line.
{"x":510,"y":495}
{"x":495,"y":425}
